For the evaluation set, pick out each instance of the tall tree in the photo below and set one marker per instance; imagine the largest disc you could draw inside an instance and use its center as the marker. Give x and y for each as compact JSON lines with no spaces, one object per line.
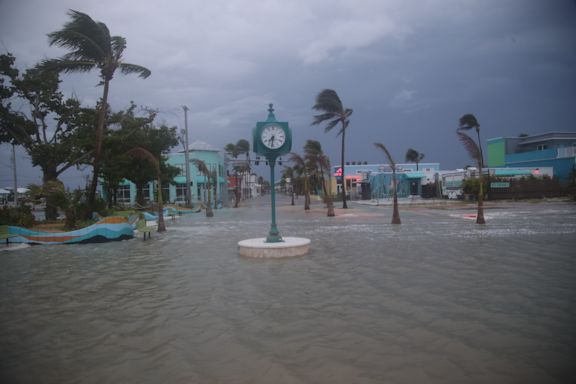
{"x":128,"y":130}
{"x":300,"y":166}
{"x":242,"y":146}
{"x":145,"y":154}
{"x":288,"y":174}
{"x":467,"y":122}
{"x":333,"y":114}
{"x":395,"y":213}
{"x":204,"y":170}
{"x":314,"y":154}
{"x":51,"y":133}
{"x":413,"y":156}
{"x":91,"y":47}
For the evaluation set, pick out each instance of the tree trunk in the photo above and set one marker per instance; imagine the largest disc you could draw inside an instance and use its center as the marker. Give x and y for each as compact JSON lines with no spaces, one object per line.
{"x":98,"y":147}
{"x":480,"y":212}
{"x":344,"y":204}
{"x":51,"y":211}
{"x":209,"y":212}
{"x":395,"y":213}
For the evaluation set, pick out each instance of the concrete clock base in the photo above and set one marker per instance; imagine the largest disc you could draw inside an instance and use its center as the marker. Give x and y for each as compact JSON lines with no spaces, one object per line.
{"x":291,"y":246}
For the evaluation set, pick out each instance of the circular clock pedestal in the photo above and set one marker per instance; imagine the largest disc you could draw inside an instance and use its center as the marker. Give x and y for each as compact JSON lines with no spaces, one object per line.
{"x":259,"y":248}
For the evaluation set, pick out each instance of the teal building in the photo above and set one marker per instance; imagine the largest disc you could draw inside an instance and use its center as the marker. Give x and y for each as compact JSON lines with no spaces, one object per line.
{"x":554,"y":149}
{"x":175,"y":192}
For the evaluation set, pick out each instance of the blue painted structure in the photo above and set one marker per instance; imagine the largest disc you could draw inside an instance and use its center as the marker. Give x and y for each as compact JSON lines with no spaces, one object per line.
{"x":555,"y":149}
{"x":176,"y":192}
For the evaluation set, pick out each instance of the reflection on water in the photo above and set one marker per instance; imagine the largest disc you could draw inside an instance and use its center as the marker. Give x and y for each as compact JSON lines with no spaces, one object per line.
{"x":437,"y":300}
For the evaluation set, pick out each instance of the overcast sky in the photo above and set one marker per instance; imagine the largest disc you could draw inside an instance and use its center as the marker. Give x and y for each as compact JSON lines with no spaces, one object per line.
{"x":409,"y":69}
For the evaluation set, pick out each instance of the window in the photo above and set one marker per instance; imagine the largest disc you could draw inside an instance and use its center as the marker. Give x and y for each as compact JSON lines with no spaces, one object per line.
{"x":541,"y":147}
{"x":181,"y":192}
{"x":123,"y":195}
{"x":146,"y":192}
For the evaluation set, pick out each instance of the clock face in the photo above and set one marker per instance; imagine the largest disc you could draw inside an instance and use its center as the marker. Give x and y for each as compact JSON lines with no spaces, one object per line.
{"x":273,"y":136}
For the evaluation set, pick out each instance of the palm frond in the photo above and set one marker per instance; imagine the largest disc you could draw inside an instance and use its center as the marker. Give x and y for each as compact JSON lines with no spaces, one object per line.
{"x":297,"y":160}
{"x":470,"y":145}
{"x":118,"y":45}
{"x":468,"y":121}
{"x":331,"y":125}
{"x":83,"y":35}
{"x":328,"y":101}
{"x":202,"y":168}
{"x":383,"y":148}
{"x":67,"y":66}
{"x":323,"y":117}
{"x":127,"y":69}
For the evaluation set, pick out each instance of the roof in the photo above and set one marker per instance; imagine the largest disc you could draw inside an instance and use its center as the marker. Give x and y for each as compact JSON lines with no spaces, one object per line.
{"x":201,"y":146}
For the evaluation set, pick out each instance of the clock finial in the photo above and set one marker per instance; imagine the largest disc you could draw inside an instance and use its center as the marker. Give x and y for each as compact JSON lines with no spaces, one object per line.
{"x":271,"y":116}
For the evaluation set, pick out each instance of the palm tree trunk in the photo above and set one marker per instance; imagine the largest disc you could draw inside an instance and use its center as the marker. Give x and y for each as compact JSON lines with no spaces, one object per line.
{"x":480,"y":212}
{"x":306,"y":194}
{"x":161,"y":223}
{"x":395,"y":212}
{"x":98,"y":149}
{"x":344,"y":204}
{"x":209,"y":212}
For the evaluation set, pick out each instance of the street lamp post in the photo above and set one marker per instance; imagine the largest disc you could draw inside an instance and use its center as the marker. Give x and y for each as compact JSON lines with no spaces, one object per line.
{"x":187,"y":157}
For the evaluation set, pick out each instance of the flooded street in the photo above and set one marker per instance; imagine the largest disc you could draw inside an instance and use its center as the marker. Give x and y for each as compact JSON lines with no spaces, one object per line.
{"x":438,"y":299}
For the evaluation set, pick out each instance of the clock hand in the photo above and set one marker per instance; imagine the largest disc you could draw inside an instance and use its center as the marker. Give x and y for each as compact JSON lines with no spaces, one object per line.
{"x":272,"y":140}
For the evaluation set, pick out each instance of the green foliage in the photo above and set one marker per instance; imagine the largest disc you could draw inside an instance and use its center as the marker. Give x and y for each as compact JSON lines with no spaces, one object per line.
{"x":20,"y":216}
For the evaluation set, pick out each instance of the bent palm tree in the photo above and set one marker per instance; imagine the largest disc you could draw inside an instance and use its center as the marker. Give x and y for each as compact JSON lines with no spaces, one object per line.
{"x":91,"y":47}
{"x":314,"y":154}
{"x":301,"y":168}
{"x":328,"y":102}
{"x":145,"y":154}
{"x":203,"y":169}
{"x":413,"y":156}
{"x":395,"y":213}
{"x":467,"y":122}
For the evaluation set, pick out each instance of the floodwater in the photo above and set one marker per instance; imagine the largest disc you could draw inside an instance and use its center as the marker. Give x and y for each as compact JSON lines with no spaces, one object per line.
{"x":438,"y":299}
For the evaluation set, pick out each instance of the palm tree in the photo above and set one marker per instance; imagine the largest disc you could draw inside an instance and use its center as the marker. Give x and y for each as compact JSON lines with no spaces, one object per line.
{"x":301,"y":168}
{"x":395,"y":214}
{"x":413,"y":156}
{"x":203,"y":169}
{"x":235,"y":150}
{"x":328,"y":102}
{"x":314,"y":154}
{"x":288,"y":173}
{"x":145,"y":154}
{"x":467,"y":122}
{"x":92,"y":47}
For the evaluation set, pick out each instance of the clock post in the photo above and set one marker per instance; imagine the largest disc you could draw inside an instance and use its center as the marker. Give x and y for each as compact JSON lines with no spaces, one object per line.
{"x":271,"y":139}
{"x":274,"y":235}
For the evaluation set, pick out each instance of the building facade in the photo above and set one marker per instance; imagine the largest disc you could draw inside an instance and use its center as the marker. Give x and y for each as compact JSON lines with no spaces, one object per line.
{"x":368,"y":181}
{"x":556,"y":150}
{"x":175,"y":192}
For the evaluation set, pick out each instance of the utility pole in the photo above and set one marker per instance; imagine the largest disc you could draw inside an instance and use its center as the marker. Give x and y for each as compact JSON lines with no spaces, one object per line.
{"x":15,"y":177}
{"x":187,"y":157}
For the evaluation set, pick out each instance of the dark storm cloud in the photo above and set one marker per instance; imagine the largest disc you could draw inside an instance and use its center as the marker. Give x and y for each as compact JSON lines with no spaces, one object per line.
{"x":409,"y":69}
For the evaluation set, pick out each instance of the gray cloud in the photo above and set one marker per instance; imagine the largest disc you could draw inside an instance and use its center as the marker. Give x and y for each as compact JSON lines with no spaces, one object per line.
{"x":409,"y":69}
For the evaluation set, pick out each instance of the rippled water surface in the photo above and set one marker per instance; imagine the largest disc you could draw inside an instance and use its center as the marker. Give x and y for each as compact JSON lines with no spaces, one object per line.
{"x":438,"y":299}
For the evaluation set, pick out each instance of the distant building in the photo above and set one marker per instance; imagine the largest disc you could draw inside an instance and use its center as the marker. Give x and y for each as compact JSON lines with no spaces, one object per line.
{"x":554,"y":149}
{"x":175,"y":192}
{"x":367,"y":181}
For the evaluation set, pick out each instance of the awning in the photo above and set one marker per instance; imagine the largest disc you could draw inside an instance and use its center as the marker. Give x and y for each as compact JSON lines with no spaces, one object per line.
{"x":180,"y":179}
{"x":511,"y":172}
{"x":414,"y":175}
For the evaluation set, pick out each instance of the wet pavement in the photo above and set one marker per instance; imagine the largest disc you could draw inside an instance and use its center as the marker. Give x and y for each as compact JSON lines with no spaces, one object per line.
{"x":438,"y":299}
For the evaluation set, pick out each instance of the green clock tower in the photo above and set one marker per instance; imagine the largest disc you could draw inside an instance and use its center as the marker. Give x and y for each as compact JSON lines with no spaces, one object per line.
{"x":272,"y":139}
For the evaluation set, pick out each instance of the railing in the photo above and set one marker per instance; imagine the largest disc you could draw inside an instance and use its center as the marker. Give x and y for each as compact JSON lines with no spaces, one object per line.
{"x":566,"y":152}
